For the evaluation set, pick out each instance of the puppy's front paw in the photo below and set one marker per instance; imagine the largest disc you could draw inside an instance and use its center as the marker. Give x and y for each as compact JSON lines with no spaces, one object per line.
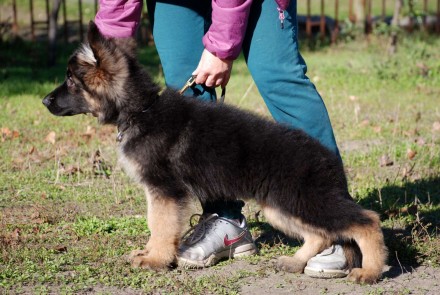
{"x":290,"y":264}
{"x":363,"y":276}
{"x":150,"y":262}
{"x":133,"y":254}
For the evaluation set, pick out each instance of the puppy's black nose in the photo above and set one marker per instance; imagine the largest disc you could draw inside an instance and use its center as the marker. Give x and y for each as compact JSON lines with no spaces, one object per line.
{"x":47,"y":100}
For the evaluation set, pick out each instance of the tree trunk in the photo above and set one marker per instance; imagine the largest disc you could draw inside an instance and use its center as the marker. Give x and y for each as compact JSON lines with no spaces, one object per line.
{"x":52,"y":34}
{"x":394,"y":25}
{"x":359,"y":12}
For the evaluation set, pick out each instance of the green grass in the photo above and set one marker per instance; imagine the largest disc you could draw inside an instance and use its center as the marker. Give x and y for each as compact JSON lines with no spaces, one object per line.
{"x":68,"y":214}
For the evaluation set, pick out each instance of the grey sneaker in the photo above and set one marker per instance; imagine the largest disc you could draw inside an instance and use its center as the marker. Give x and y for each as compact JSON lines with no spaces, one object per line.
{"x":213,"y":239}
{"x":330,"y":263}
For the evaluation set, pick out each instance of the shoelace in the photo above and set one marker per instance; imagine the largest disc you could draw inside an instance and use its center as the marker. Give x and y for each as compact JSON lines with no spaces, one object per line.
{"x":197,"y":232}
{"x":332,"y":250}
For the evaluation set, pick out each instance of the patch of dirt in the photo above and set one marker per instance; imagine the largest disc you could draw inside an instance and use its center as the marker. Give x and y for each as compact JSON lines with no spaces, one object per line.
{"x":262,"y":278}
{"x":358,"y":145}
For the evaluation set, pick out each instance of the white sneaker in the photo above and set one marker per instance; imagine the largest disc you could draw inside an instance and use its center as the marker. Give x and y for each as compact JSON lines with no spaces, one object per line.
{"x":213,"y":239}
{"x":330,"y":263}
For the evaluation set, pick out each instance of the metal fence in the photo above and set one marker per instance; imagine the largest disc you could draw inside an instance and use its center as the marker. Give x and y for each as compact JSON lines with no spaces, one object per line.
{"x":316,"y":17}
{"x":38,"y":18}
{"x":330,"y":22}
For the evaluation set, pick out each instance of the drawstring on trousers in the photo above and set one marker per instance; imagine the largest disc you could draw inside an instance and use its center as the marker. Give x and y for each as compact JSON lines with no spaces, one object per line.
{"x":281,"y":16}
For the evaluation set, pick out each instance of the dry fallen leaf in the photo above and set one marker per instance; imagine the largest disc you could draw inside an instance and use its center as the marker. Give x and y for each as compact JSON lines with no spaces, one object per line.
{"x":35,"y":215}
{"x":6,"y":133}
{"x":31,"y":150}
{"x":60,"y":249}
{"x":411,"y":132}
{"x":100,"y":166}
{"x":424,"y":69}
{"x":16,"y":234}
{"x":385,"y":160}
{"x":365,"y":123}
{"x":410,"y":154}
{"x":90,"y":132}
{"x":353,"y":97}
{"x":411,"y":210}
{"x":50,"y":137}
{"x":418,"y":116}
{"x":377,"y":129}
{"x":420,"y":141}
{"x":71,"y":170}
{"x":436,"y":126}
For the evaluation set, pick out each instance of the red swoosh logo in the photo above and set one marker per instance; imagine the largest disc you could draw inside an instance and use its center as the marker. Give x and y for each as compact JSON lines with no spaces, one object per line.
{"x":229,"y":242}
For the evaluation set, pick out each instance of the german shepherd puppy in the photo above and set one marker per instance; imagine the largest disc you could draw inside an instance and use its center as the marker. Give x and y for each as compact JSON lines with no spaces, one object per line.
{"x":179,"y":147}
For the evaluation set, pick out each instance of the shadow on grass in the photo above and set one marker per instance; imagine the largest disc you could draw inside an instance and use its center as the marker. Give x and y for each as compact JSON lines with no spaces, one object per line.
{"x":394,"y":196}
{"x":414,"y":210}
{"x":270,"y":236}
{"x":412,"y":213}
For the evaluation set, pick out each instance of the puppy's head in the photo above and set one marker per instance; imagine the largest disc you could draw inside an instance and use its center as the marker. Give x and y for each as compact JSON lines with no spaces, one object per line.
{"x":95,"y":78}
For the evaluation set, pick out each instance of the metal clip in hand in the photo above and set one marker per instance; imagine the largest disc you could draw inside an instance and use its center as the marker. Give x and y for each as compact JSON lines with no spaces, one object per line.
{"x":191,"y":81}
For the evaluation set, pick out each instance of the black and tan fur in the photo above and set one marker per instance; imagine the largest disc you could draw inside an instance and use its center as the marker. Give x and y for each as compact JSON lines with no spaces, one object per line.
{"x":179,"y":148}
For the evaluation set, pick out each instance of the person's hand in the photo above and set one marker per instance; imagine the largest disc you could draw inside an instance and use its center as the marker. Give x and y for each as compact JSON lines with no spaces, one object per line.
{"x":213,"y":71}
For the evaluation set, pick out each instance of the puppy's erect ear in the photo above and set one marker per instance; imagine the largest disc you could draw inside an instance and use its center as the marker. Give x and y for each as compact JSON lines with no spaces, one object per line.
{"x":96,"y":39}
{"x":99,"y":44}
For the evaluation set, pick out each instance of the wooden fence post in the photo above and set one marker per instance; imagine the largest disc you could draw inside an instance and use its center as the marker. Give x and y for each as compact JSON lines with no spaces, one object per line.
{"x":335,"y":32}
{"x":308,"y":21}
{"x":437,"y":29}
{"x":81,"y":30}
{"x":31,"y":7}
{"x":322,"y":21}
{"x":14,"y":18}
{"x":65,"y":21}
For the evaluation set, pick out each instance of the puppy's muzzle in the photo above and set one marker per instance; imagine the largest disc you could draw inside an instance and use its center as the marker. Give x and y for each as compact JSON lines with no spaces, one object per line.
{"x":48,"y":100}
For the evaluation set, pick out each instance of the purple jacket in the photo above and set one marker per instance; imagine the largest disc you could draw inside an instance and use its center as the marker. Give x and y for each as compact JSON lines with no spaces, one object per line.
{"x":120,"y":18}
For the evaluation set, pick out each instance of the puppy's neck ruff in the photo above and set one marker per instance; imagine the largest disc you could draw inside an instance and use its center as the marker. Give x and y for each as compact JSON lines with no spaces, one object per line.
{"x":126,"y":123}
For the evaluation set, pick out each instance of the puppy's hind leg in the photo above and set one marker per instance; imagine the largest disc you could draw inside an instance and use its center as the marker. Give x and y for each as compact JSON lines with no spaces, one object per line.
{"x":314,"y":243}
{"x":369,"y":237}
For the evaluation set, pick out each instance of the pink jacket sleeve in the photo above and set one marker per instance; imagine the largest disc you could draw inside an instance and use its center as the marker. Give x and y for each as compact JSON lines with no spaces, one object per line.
{"x":229,"y":20}
{"x":118,"y":18}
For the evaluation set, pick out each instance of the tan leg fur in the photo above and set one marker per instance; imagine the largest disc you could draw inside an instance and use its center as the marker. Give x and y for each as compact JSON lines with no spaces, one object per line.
{"x":314,"y":241}
{"x":164,"y":221}
{"x":374,"y":252}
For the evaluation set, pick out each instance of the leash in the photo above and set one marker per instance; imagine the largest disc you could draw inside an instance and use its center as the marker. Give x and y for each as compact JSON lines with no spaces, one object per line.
{"x":192,"y":80}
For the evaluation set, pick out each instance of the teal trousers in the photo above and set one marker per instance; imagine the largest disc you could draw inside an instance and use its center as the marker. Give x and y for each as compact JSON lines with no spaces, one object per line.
{"x":272,"y":56}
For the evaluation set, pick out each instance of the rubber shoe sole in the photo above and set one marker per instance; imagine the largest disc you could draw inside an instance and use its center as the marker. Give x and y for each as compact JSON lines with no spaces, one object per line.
{"x":240,"y":251}
{"x":325,"y":273}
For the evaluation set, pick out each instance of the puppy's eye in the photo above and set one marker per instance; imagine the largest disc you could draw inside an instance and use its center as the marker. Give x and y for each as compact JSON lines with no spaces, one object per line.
{"x":69,"y":81}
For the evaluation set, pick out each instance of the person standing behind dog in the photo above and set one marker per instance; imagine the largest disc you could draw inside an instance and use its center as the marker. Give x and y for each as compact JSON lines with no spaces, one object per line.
{"x":203,"y":38}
